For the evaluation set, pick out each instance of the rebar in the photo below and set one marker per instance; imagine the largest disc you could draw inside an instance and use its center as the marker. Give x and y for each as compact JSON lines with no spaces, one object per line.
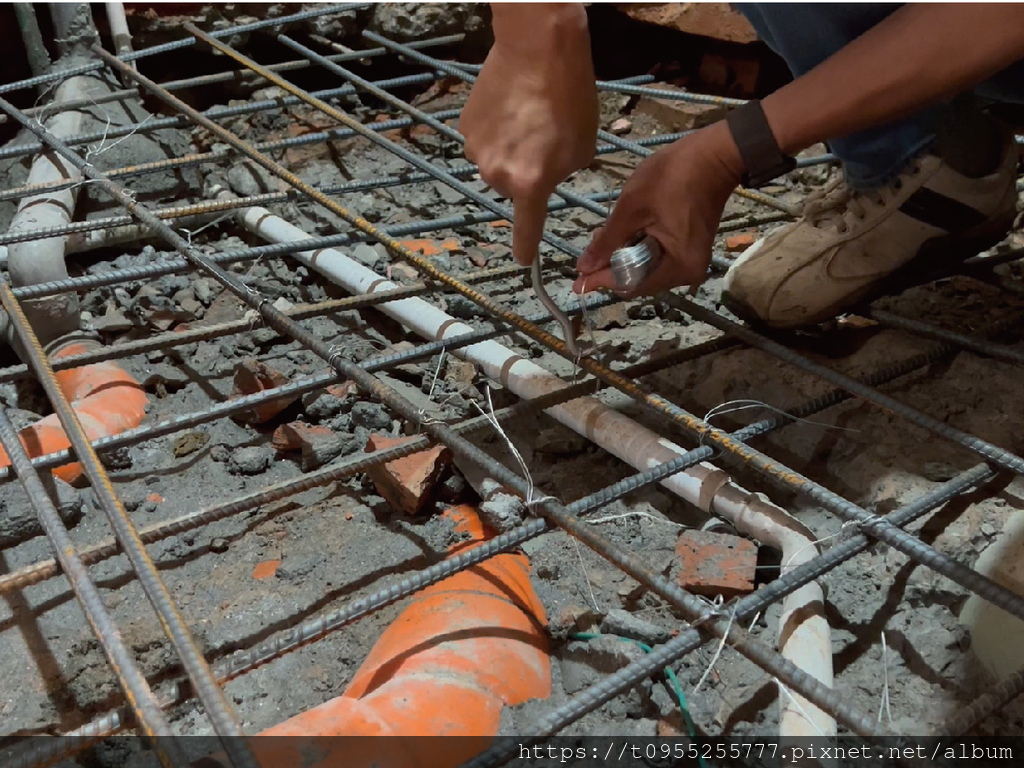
{"x":710,"y":623}
{"x":336,"y":134}
{"x":219,"y":710}
{"x":179,"y":338}
{"x":762,"y":427}
{"x":42,"y":570}
{"x":176,"y":265}
{"x":318,"y":626}
{"x":743,"y":609}
{"x":451,"y":133}
{"x":998,"y":456}
{"x":246,"y":402}
{"x":142,"y":703}
{"x":179,"y":121}
{"x":809,"y":687}
{"x":918,"y":328}
{"x":82,"y":69}
{"x":905,"y":543}
{"x":38,"y":57}
{"x":633,"y":147}
{"x":236,"y":75}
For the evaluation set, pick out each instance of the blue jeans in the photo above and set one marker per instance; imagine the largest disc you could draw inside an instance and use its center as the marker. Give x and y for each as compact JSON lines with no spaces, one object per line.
{"x":805,"y":34}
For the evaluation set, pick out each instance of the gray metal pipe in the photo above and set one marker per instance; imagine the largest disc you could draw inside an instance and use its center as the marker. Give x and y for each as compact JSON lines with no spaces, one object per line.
{"x":74,"y":30}
{"x":38,"y":56}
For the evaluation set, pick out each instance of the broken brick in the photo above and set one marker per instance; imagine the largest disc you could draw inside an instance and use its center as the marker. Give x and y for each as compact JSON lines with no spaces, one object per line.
{"x":252,"y":376}
{"x":318,"y":444}
{"x":155,"y":497}
{"x":429,"y":247}
{"x":407,"y":483}
{"x":621,"y":126}
{"x":675,"y":116}
{"x":285,"y":440}
{"x":612,"y":316}
{"x":716,"y":563}
{"x":402,"y":272}
{"x":341,"y":391}
{"x":739,"y":242}
{"x":719,"y":21}
{"x":266,"y":569}
{"x":460,"y":373}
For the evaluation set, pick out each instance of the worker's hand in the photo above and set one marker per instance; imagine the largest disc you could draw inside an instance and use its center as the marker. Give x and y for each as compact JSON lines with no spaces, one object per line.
{"x":531,"y":118}
{"x":677,"y":196}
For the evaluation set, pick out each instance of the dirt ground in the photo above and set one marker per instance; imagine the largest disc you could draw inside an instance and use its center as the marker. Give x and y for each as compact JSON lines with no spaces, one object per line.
{"x":343,"y":541}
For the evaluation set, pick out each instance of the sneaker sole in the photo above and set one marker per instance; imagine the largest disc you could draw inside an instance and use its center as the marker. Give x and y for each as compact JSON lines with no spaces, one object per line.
{"x":936,"y":258}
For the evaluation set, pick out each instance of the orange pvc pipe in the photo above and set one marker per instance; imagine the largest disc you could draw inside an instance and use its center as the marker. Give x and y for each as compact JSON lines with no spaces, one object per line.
{"x":461,"y":651}
{"x":106,"y":398}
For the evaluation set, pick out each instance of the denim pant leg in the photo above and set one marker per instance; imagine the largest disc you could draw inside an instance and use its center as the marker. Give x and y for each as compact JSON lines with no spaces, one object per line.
{"x":804,"y":35}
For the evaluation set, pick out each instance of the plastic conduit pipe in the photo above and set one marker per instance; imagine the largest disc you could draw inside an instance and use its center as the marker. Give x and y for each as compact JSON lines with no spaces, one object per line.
{"x":804,"y":635}
{"x":40,"y":261}
{"x":462,"y":650}
{"x":106,"y":399}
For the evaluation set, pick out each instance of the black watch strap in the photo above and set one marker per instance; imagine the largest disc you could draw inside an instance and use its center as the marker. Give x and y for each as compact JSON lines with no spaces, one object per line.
{"x":761,"y":155}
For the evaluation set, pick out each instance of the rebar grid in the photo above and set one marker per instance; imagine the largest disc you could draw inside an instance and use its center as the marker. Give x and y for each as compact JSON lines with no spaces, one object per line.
{"x":781,"y":668}
{"x":706,"y":624}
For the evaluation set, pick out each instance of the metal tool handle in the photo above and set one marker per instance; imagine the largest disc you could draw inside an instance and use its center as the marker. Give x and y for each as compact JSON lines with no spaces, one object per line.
{"x":632,"y":264}
{"x":568,"y":334}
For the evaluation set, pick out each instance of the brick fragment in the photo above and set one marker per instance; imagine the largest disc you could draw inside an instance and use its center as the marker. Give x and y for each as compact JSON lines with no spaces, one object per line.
{"x":402,"y":272}
{"x":318,"y":444}
{"x":719,"y":21}
{"x":675,"y":116}
{"x":716,"y":563}
{"x":612,"y":316}
{"x":407,"y":483}
{"x":252,"y":376}
{"x":739,"y":242}
{"x":460,"y":373}
{"x":266,"y":569}
{"x":621,"y":126}
{"x":429,"y":247}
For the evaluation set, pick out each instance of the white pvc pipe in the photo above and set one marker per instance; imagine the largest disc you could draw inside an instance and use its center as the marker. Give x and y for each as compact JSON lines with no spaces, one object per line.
{"x":40,"y":261}
{"x":805,"y":638}
{"x":119,"y":32}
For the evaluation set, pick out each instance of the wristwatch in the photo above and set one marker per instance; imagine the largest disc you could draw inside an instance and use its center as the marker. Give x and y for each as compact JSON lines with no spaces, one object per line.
{"x":761,"y":155}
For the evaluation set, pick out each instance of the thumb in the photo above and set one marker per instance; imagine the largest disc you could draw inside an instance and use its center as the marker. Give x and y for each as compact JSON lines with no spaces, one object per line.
{"x":622,"y":224}
{"x":528,"y":227}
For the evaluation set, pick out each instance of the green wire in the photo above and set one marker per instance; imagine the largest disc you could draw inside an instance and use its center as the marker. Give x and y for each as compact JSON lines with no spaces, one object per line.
{"x":673,"y":680}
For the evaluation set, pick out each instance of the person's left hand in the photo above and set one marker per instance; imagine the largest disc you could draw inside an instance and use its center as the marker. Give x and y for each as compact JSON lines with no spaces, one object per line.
{"x":676,"y":196}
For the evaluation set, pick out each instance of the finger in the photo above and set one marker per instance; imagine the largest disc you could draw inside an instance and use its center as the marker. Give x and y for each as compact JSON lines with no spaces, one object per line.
{"x":623,"y":223}
{"x":670,"y":272}
{"x":528,"y":227}
{"x":602,"y":278}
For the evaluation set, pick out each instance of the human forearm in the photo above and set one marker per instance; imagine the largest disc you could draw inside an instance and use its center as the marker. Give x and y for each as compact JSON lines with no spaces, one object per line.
{"x":919,"y":54}
{"x":533,"y":29}
{"x":531,"y":118}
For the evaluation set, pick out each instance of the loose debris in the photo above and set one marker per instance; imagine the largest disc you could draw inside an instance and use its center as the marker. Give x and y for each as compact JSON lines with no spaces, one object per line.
{"x":407,"y":483}
{"x":716,"y":563}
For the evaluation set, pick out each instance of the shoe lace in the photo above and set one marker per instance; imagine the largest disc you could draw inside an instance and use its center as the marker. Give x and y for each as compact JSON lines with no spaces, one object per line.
{"x":836,"y":204}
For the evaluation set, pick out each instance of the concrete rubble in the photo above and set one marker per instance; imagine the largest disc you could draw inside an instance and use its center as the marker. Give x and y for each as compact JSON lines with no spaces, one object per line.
{"x":715,"y":20}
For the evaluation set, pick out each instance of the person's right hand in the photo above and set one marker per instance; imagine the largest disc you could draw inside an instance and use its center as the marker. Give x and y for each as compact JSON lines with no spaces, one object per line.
{"x":676,"y":196}
{"x":531,"y":118}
